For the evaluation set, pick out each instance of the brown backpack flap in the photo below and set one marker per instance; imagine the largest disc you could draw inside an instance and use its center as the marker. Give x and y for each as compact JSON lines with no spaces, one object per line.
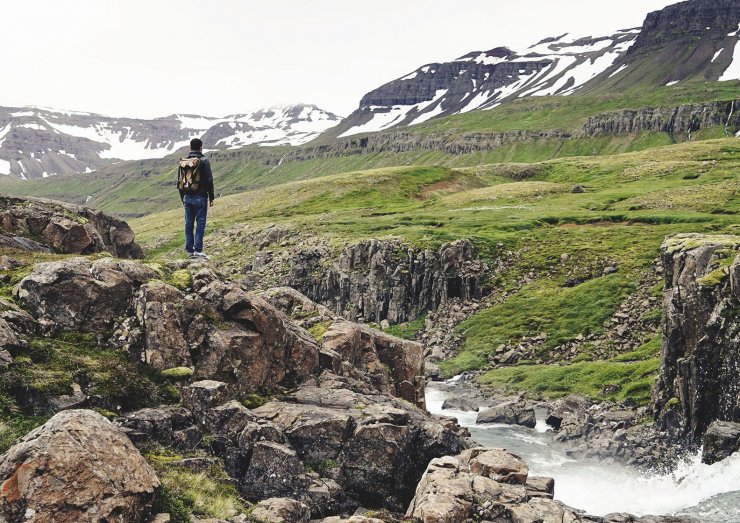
{"x":188,"y":174}
{"x":189,"y":163}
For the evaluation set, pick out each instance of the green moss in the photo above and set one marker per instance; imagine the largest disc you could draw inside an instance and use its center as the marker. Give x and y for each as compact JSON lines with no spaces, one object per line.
{"x":15,"y":427}
{"x":687,"y":242}
{"x":253,"y":400}
{"x":319,"y":329}
{"x":183,"y":492}
{"x":156,"y":267}
{"x":542,"y":307}
{"x":647,"y":350}
{"x":182,"y":279}
{"x":408,"y":330}
{"x":177,"y":373}
{"x":462,"y":362}
{"x":713,"y":279}
{"x":671,"y":402}
{"x":654,"y":315}
{"x":51,"y":366}
{"x":170,"y":502}
{"x":321,"y":466}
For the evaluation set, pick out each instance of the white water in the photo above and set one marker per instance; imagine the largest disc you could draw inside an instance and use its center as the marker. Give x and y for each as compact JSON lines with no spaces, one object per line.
{"x":709,"y":493}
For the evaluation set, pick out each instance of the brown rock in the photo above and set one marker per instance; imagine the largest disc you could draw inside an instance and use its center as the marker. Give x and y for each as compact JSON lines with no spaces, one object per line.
{"x":76,"y":467}
{"x":394,"y":365}
{"x":257,"y":347}
{"x":281,"y":510}
{"x":80,"y":294}
{"x":165,"y":345}
{"x":201,"y":396}
{"x":66,"y":228}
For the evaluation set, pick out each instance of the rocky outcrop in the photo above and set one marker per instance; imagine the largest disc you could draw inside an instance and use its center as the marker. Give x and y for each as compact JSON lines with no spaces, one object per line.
{"x":483,"y":484}
{"x":375,"y":280}
{"x":678,"y":120}
{"x":64,"y":228}
{"x":508,"y":413}
{"x":393,"y":365}
{"x":486,"y":484}
{"x":685,"y":21}
{"x":218,"y":330}
{"x":700,"y":357}
{"x":721,"y":440}
{"x":333,"y":445}
{"x":78,"y":467}
{"x":81,"y":294}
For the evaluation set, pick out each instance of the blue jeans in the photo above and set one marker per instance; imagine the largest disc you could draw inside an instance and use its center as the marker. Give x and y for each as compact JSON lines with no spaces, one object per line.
{"x":196,"y":210}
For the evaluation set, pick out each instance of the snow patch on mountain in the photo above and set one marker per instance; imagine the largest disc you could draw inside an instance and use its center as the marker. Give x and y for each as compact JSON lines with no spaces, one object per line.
{"x":36,"y":142}
{"x":483,"y":80}
{"x":733,"y":71}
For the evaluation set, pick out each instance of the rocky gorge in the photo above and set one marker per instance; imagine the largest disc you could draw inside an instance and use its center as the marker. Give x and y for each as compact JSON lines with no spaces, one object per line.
{"x":307,"y":414}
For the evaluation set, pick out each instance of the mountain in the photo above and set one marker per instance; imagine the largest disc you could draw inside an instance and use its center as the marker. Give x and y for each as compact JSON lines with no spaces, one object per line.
{"x":37,"y":142}
{"x":693,"y":40}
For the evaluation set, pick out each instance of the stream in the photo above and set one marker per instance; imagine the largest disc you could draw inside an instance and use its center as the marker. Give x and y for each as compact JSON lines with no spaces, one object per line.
{"x":708,"y":493}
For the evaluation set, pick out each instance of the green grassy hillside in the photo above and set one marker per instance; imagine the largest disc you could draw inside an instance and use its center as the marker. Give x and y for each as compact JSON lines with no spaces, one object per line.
{"x":133,"y":189}
{"x":631,"y":202}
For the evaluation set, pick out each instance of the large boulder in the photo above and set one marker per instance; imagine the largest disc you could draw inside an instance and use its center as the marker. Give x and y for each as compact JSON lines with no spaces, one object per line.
{"x":256,"y":346}
{"x":374,"y":446}
{"x":64,"y":228}
{"x":81,"y":294}
{"x":77,"y":467}
{"x":721,"y":440}
{"x":509,"y":413}
{"x":394,"y":365}
{"x":478,"y":483}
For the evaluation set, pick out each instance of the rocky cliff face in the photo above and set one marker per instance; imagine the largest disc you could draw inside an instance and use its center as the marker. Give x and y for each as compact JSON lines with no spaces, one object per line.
{"x":700,"y":358}
{"x":692,"y":40}
{"x":676,"y":121}
{"x":685,"y":21}
{"x":376,"y":280}
{"x":34,"y":224}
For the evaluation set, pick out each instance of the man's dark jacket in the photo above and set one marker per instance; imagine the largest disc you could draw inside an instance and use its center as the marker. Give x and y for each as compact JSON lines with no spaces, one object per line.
{"x":206,"y":176}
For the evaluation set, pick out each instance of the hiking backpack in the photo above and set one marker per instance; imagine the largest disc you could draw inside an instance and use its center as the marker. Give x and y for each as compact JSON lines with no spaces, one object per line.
{"x":188,"y":175}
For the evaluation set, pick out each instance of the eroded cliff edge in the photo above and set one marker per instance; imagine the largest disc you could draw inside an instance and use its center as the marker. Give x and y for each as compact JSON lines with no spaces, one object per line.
{"x":700,"y":356}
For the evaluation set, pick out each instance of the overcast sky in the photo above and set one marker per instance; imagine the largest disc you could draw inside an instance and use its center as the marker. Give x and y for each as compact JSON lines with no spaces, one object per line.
{"x":157,"y":57}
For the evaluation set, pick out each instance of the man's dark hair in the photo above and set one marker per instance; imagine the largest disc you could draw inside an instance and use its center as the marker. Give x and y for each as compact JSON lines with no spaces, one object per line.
{"x":196,"y":144}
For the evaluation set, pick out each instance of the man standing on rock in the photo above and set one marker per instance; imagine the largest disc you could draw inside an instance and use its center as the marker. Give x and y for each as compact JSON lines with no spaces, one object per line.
{"x":195,"y":183}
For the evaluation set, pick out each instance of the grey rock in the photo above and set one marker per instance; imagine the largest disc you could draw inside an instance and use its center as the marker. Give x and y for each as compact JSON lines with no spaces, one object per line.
{"x":697,"y":383}
{"x":201,"y":396}
{"x":721,"y":439}
{"x":540,"y":487}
